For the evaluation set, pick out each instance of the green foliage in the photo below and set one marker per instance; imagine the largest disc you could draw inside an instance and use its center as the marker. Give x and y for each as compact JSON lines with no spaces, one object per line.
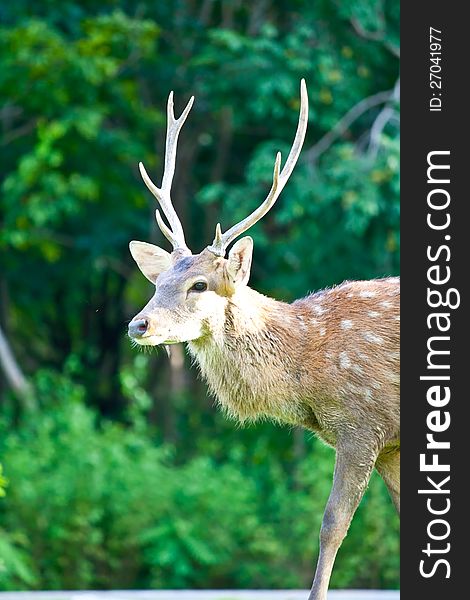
{"x":15,"y":563}
{"x":64,"y":90}
{"x":126,"y":476}
{"x":3,"y":482}
{"x":100,"y":506}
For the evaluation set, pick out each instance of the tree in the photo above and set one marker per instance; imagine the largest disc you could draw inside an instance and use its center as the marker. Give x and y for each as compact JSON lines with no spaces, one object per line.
{"x":85,"y":89}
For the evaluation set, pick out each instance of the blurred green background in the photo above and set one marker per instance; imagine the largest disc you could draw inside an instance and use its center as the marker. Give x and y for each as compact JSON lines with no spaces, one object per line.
{"x":117,"y":470}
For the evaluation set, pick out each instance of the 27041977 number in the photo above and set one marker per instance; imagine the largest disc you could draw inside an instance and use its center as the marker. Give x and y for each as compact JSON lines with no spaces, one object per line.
{"x":435,"y":57}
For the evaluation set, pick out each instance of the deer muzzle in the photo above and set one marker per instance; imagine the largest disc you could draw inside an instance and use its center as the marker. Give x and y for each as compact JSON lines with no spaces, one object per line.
{"x":142,"y":330}
{"x":138,"y":328}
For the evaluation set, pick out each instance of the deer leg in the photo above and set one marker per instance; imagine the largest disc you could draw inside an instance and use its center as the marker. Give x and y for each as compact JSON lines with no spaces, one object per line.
{"x":388,"y":465}
{"x":351,"y":476}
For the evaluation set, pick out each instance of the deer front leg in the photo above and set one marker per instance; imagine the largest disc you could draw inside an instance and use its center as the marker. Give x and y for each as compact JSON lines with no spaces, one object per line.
{"x":352,"y":473}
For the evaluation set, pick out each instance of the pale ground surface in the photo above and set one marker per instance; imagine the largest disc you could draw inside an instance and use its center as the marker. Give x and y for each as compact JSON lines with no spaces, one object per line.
{"x":200,"y":595}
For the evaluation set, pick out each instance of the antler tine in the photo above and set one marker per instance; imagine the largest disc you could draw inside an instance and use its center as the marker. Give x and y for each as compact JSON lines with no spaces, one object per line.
{"x":221,"y":241}
{"x":166,"y":230}
{"x":175,"y":233}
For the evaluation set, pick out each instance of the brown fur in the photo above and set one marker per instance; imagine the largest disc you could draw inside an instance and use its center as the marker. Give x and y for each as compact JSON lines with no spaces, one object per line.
{"x":328,"y":362}
{"x":298,"y":364}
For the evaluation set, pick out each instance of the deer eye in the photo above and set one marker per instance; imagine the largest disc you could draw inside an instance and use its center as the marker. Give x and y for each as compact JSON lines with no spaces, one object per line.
{"x":199,"y":286}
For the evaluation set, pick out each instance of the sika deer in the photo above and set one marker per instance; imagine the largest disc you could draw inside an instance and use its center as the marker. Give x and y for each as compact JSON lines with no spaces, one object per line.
{"x":328,"y":362}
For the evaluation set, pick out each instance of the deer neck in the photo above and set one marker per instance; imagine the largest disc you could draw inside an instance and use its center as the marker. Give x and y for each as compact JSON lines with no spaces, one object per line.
{"x":248,"y":357}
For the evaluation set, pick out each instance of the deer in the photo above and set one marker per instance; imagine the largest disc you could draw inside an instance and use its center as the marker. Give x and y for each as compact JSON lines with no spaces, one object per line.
{"x":328,"y":362}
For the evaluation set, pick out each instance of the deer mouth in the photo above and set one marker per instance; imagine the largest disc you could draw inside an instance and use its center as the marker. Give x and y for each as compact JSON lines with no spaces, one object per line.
{"x":153,"y":340}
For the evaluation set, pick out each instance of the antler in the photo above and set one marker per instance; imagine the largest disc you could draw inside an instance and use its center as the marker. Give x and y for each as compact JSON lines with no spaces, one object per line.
{"x":174,"y":233}
{"x":222,"y":240}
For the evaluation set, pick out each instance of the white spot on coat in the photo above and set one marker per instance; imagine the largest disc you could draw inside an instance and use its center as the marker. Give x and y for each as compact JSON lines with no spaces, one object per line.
{"x":344,"y":361}
{"x":373,"y":313}
{"x":318,"y":309}
{"x":367,"y":294}
{"x":346,"y":324}
{"x":371,"y":337}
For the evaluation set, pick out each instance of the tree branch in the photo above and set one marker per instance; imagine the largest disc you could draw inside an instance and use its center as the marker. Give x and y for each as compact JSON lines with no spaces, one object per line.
{"x":14,"y":134}
{"x":14,"y":375}
{"x":257,"y":17}
{"x":205,"y":12}
{"x":345,"y":122}
{"x":385,"y":116}
{"x":375,"y":36}
{"x":10,"y":111}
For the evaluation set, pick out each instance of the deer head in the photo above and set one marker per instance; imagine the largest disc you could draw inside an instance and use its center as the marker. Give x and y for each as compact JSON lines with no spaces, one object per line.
{"x":191,"y":291}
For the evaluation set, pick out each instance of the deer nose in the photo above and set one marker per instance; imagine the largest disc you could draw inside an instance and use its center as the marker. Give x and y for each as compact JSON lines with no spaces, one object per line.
{"x":138,"y":327}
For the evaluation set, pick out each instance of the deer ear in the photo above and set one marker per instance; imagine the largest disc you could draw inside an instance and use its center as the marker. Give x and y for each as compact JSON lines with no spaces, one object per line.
{"x":239,"y":261}
{"x":150,"y":259}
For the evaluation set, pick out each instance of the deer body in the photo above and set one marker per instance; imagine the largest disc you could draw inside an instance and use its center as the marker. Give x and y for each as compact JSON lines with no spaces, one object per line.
{"x":328,"y":362}
{"x":305,"y":363}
